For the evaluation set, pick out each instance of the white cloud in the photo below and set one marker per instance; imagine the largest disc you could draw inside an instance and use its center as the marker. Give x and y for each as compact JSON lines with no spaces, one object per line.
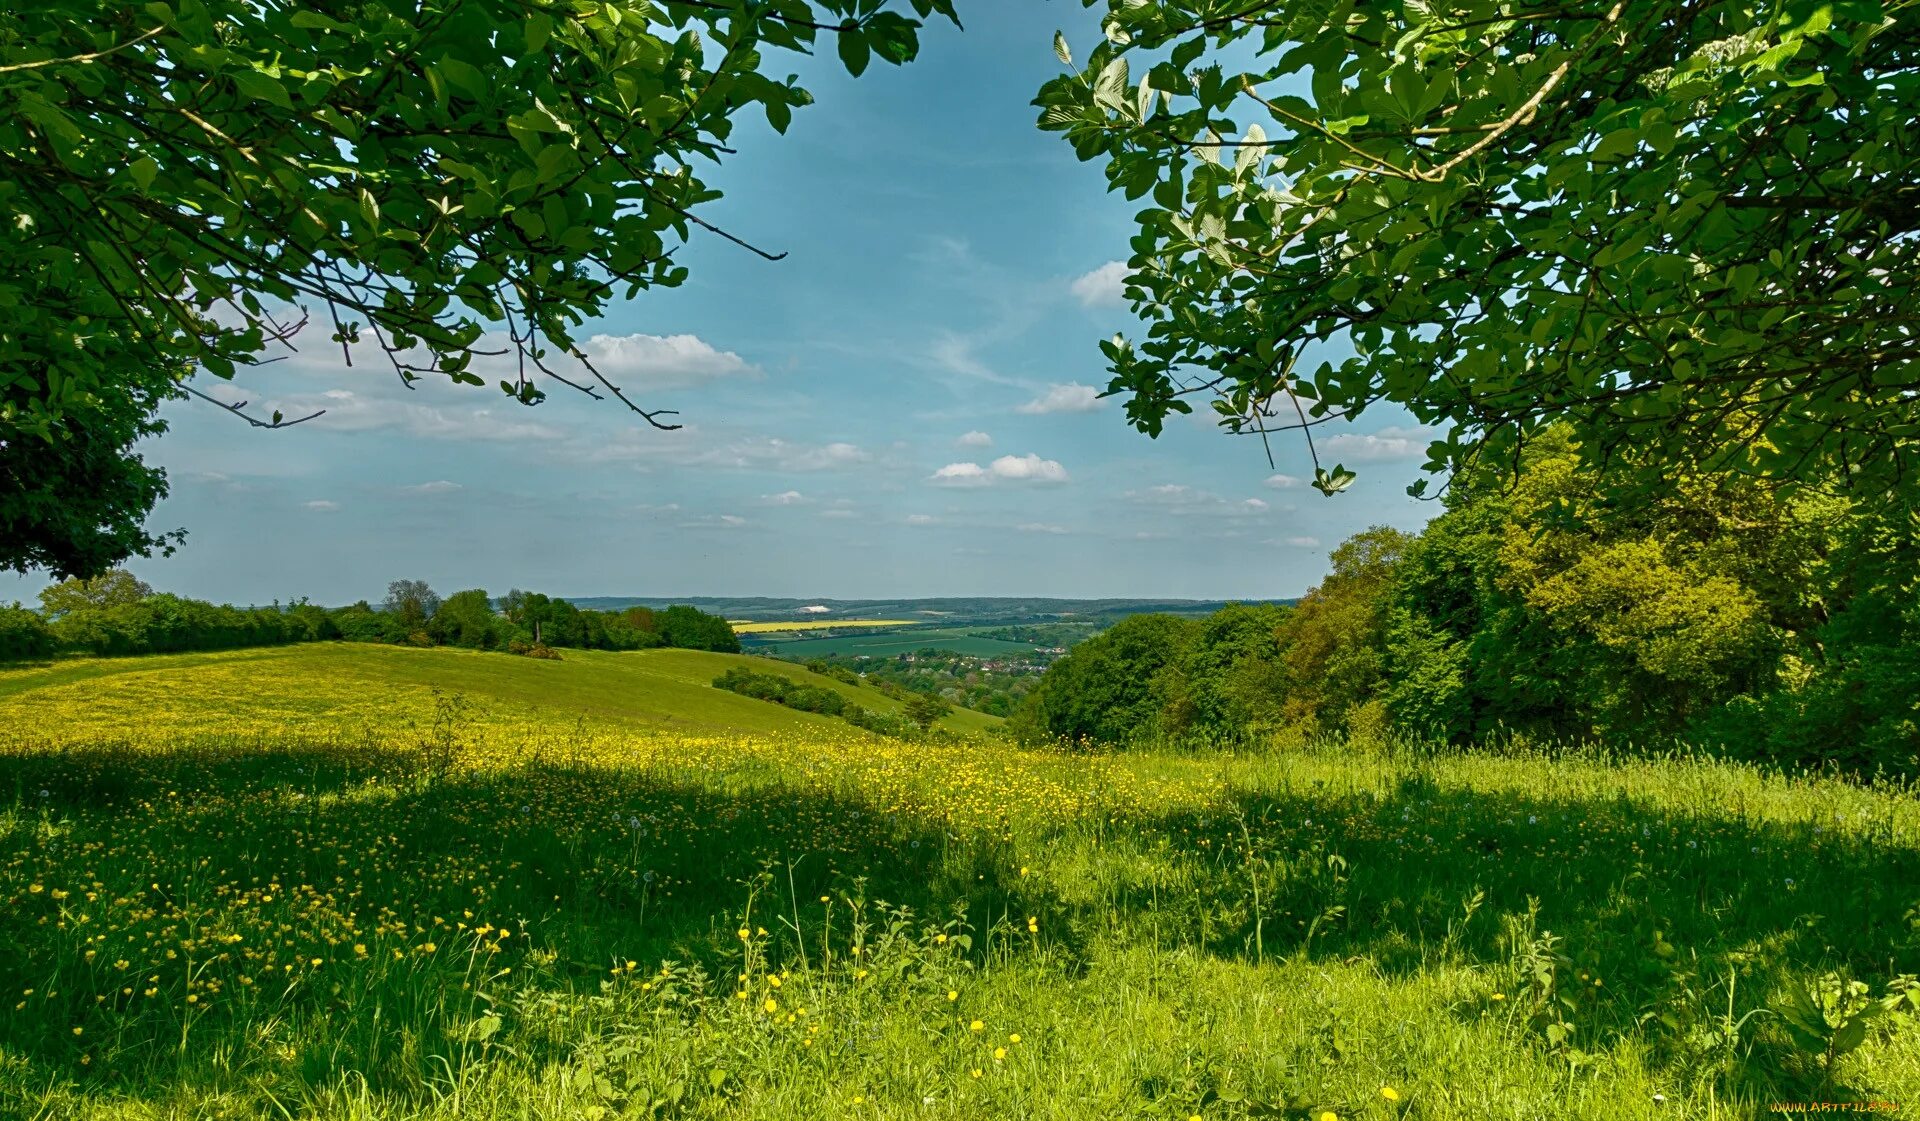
{"x":690,"y":447}
{"x":1182,"y":501}
{"x":323,"y":505}
{"x":954,"y":353}
{"x":438,"y":486}
{"x":1303,"y":542}
{"x":785,"y":498}
{"x":1069,"y":398}
{"x":960,"y":475}
{"x":715,"y":521}
{"x":1282,"y":482}
{"x":1103,"y":287}
{"x":654,"y":361}
{"x":1040,"y":527}
{"x":731,"y":519}
{"x":921,"y":519}
{"x":1028,"y":468}
{"x":838,"y":513}
{"x":372,"y":406}
{"x":1386,"y":444}
{"x":975,"y":440}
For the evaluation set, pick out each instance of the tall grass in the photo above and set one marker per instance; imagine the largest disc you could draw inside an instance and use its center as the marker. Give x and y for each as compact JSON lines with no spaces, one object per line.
{"x":469,"y":919}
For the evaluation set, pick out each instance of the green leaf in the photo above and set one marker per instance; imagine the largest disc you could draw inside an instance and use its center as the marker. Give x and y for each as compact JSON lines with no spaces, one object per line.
{"x":539,"y":28}
{"x":854,"y":52}
{"x":315,"y":21}
{"x":1332,"y":482}
{"x":142,"y":172}
{"x":1060,"y":49}
{"x":465,"y":77}
{"x":259,"y":87}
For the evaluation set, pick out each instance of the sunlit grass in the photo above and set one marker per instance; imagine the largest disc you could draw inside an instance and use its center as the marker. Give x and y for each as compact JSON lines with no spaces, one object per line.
{"x":234,"y":891}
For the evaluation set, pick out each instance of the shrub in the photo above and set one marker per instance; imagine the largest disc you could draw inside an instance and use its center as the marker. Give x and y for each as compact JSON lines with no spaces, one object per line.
{"x":24,"y":635}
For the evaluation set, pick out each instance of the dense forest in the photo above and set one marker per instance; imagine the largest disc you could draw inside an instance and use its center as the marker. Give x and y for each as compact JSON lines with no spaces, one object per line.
{"x":115,"y":614}
{"x":1721,"y":615}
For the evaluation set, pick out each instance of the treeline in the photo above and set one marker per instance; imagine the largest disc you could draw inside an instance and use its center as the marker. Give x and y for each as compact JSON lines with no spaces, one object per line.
{"x":115,"y":615}
{"x":1721,"y":614}
{"x":919,"y":716}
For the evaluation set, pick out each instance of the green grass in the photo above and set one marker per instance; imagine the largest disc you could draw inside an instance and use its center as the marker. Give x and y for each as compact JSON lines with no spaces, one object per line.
{"x":887,"y":643}
{"x":327,"y":685}
{"x":1273,"y":935}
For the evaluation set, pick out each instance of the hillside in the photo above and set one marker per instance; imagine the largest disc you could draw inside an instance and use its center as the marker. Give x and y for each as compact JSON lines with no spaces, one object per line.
{"x":254,"y":884}
{"x":330,"y":686}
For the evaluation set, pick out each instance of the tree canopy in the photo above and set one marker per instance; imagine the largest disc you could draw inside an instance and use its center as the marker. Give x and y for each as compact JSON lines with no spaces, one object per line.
{"x":184,"y":182}
{"x":1687,"y":227}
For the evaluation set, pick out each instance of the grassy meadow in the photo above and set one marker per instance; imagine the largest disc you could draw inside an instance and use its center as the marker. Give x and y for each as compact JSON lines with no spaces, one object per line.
{"x":366,"y":882}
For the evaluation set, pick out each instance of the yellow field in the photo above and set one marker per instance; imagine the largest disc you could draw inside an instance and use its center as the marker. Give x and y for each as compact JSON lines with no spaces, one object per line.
{"x":815,"y":625}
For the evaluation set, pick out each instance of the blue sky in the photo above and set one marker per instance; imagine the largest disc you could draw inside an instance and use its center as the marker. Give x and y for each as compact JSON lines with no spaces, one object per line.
{"x":901,"y":407}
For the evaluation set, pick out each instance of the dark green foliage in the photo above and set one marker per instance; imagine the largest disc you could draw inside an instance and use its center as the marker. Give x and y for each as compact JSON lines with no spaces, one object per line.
{"x":361,"y":623}
{"x":164,"y":624}
{"x":816,"y":698}
{"x":1685,"y":229}
{"x":925,"y":710}
{"x":1772,"y":626}
{"x":115,"y":614}
{"x":1232,"y":672}
{"x":690,"y":628}
{"x":1115,"y":686}
{"x":24,"y":634}
{"x":467,"y":619}
{"x":177,"y":175}
{"x":74,"y":497}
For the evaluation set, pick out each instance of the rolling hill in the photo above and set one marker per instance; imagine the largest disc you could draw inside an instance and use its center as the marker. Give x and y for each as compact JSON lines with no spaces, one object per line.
{"x":332,"y":686}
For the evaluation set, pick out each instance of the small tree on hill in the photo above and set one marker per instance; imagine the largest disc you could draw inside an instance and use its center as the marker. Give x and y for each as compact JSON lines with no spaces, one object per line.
{"x":925,"y":709}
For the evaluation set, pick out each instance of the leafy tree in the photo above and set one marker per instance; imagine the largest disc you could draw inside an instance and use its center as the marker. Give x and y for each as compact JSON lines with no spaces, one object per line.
{"x":184,"y":182}
{"x":1234,"y":675}
{"x":359,"y":622}
{"x":412,"y":603}
{"x":693,"y":629}
{"x":1683,"y":228}
{"x":466,"y":619}
{"x":925,"y":710}
{"x":1541,"y":604}
{"x":1333,"y":643}
{"x":23,"y":634}
{"x":116,"y":588}
{"x":1114,"y":687}
{"x":73,"y":495}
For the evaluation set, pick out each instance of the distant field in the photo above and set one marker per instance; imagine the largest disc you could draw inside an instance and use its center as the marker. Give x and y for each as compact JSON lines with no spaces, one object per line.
{"x":814,"y":625}
{"x":959,"y":640}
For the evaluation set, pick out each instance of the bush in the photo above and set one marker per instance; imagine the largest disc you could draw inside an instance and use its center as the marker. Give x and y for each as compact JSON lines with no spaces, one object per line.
{"x":24,"y":635}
